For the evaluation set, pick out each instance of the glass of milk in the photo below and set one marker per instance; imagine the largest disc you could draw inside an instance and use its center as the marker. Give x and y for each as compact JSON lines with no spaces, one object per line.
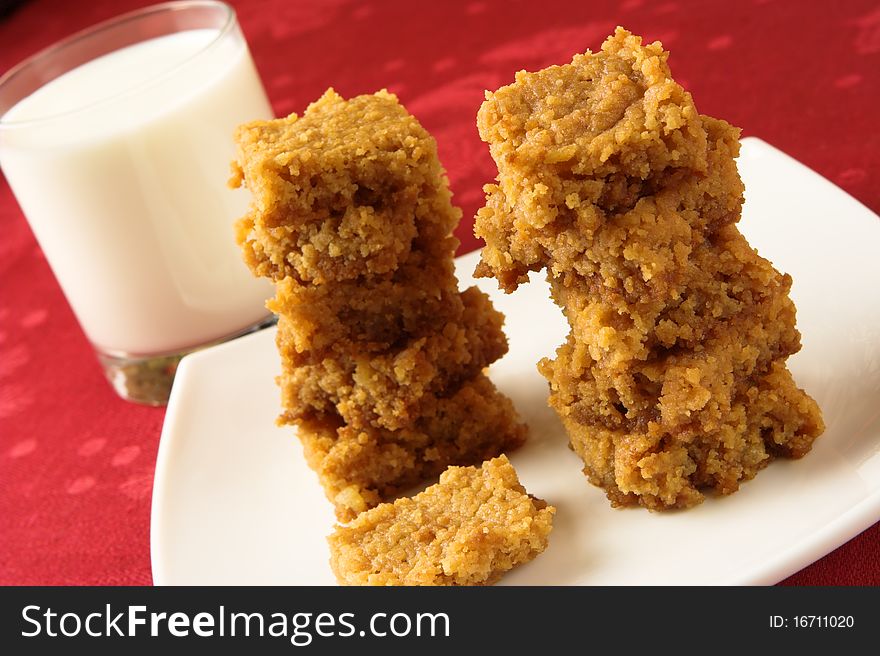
{"x":116,"y":143}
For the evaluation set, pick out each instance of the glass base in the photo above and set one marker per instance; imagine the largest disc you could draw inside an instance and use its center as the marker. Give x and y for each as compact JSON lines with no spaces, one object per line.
{"x":147,"y":379}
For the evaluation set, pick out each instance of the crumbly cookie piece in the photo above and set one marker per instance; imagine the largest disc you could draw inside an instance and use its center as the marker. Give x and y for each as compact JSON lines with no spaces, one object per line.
{"x":731,"y":302}
{"x":470,"y":528}
{"x":703,"y":426}
{"x":388,"y":388}
{"x":615,"y":111}
{"x":370,"y":313}
{"x":382,"y":356}
{"x":340,"y":192}
{"x":360,"y":467}
{"x":672,"y":380}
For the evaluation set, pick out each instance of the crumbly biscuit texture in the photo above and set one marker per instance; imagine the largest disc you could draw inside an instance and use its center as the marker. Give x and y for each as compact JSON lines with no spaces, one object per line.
{"x":382,"y":356}
{"x":672,"y":380}
{"x":470,"y":528}
{"x":339,"y":192}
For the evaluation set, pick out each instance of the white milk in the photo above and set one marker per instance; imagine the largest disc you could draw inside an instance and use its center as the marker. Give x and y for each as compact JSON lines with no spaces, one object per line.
{"x":125,"y":189}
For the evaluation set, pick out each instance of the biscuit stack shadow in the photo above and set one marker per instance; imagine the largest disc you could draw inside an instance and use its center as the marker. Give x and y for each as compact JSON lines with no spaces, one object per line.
{"x":382,"y":356}
{"x":673,"y":378}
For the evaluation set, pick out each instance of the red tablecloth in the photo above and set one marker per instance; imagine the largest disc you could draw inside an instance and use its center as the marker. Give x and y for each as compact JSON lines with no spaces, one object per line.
{"x":76,"y":462}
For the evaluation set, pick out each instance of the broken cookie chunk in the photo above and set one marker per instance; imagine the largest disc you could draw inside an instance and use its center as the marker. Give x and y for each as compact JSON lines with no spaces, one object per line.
{"x":470,"y":528}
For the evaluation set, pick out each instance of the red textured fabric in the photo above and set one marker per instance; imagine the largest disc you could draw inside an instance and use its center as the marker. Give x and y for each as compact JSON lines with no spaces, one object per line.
{"x":76,"y":462}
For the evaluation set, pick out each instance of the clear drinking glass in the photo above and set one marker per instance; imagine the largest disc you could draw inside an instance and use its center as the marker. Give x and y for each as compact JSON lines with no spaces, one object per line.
{"x":116,"y":143}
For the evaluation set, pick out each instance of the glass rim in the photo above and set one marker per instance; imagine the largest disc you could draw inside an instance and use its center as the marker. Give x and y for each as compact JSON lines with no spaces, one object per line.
{"x":113,"y":23}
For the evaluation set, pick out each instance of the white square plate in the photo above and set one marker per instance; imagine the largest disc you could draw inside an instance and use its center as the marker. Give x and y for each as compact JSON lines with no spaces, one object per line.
{"x":235,"y":503}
